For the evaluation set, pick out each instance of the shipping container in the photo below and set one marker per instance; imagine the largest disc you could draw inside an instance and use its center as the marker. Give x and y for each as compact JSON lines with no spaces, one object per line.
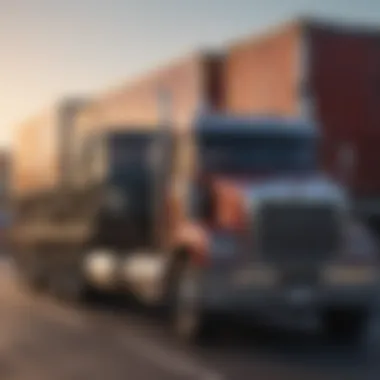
{"x":310,"y":68}
{"x":46,"y":146}
{"x":187,"y":82}
{"x":322,"y":70}
{"x":41,"y":149}
{"x":307,"y":67}
{"x":260,"y":74}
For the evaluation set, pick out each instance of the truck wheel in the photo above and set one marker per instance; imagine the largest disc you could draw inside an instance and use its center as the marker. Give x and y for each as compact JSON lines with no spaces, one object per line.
{"x":188,"y":316}
{"x":343,"y":326}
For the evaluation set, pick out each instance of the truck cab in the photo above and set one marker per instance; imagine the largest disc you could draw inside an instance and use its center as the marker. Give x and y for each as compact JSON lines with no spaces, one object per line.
{"x":117,"y":180}
{"x":242,"y":222}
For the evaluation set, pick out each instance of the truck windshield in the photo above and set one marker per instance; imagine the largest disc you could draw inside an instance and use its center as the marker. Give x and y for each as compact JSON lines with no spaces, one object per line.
{"x":245,"y":153}
{"x":129,"y":153}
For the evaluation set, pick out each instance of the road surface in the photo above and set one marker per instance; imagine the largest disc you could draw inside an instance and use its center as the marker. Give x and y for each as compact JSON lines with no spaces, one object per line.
{"x":41,"y":339}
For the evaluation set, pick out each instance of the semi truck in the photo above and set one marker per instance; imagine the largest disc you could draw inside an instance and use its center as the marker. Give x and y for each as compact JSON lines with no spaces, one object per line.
{"x":228,"y":215}
{"x":110,"y":193}
{"x":326,"y":70}
{"x":314,"y":68}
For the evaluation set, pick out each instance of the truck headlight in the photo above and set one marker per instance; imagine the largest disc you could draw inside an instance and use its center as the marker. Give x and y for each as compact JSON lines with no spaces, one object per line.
{"x":350,"y":275}
{"x":258,"y":275}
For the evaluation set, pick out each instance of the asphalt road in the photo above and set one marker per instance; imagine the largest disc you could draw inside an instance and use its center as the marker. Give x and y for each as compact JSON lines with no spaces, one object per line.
{"x":41,"y":339}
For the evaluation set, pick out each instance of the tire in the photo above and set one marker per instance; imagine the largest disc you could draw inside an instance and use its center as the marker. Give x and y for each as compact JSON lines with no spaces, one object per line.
{"x":189,"y":320}
{"x":346,"y":326}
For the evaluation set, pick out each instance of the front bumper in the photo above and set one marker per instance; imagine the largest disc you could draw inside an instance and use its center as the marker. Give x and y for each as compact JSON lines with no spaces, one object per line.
{"x":285,"y":301}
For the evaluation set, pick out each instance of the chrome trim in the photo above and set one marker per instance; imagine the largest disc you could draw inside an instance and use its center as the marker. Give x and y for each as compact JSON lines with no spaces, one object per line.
{"x":257,"y":212}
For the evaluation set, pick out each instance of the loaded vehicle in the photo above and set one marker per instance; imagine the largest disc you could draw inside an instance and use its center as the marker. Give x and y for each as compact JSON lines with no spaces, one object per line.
{"x":325,"y":70}
{"x":320,"y":69}
{"x":228,"y":216}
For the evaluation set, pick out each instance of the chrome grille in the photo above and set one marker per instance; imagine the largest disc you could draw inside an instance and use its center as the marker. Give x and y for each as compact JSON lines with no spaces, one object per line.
{"x":298,"y":231}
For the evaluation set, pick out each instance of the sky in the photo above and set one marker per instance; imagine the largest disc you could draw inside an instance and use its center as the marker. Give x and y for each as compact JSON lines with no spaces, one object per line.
{"x":53,"y":48}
